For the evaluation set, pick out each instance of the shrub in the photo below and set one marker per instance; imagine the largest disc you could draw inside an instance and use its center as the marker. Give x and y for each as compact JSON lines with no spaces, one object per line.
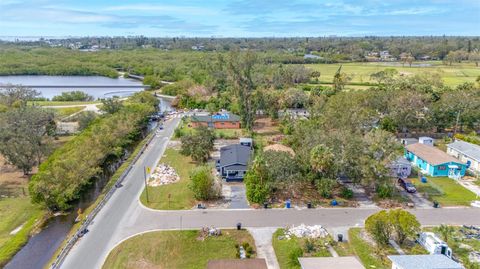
{"x":325,"y":186}
{"x":202,"y":183}
{"x":346,"y":193}
{"x":385,"y":190}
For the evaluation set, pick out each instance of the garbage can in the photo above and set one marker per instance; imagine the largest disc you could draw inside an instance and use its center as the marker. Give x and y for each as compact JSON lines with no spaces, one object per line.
{"x":334,"y":202}
{"x":288,"y":203}
{"x":239,"y":226}
{"x":340,"y":237}
{"x":309,"y":205}
{"x":265,"y":205}
{"x":435,"y":204}
{"x":424,"y":180}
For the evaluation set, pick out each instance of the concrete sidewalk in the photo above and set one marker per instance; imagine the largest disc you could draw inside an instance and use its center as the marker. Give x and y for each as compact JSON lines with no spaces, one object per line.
{"x":263,"y":242}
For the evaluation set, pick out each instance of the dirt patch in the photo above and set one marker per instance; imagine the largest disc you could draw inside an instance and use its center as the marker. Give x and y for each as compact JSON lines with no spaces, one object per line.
{"x":12,"y":181}
{"x":266,"y":126}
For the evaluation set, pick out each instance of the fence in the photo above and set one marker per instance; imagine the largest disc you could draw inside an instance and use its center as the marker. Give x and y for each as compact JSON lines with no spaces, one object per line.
{"x":81,"y":231}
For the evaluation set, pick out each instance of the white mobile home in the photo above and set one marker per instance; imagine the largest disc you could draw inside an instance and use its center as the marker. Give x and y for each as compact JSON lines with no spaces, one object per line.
{"x":467,"y":153}
{"x":434,"y":245}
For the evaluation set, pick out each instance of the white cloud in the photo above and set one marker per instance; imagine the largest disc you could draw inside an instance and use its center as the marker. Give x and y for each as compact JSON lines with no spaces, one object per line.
{"x":193,"y":10}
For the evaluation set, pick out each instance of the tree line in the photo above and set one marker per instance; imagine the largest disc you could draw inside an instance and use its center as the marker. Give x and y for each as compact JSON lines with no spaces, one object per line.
{"x":64,"y":175}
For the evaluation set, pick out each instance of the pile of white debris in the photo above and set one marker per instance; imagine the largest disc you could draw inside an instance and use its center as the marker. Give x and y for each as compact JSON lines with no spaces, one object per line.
{"x":315,"y":231}
{"x":162,"y":175}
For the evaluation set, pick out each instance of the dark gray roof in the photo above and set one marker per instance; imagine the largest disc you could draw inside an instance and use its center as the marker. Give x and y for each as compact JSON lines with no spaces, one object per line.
{"x":236,"y":167}
{"x":235,"y":154}
{"x":216,"y":117}
{"x":436,"y":261}
{"x":468,"y":149}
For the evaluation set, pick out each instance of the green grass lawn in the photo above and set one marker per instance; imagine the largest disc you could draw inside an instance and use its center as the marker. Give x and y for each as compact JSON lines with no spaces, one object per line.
{"x":446,"y":191}
{"x":15,"y":212}
{"x":285,"y":250}
{"x":181,"y":195}
{"x":451,"y":75}
{"x":67,"y":111}
{"x":62,"y":103}
{"x":175,"y":249}
{"x":368,"y":254}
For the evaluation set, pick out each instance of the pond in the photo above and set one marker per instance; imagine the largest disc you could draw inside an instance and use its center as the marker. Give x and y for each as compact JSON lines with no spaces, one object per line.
{"x":96,"y":86}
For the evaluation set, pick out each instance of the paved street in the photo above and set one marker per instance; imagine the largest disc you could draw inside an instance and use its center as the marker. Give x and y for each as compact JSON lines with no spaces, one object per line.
{"x":120,"y":211}
{"x":124,"y":216}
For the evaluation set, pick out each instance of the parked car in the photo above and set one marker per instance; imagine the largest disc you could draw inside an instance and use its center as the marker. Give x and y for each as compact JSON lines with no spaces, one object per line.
{"x":407,"y":185}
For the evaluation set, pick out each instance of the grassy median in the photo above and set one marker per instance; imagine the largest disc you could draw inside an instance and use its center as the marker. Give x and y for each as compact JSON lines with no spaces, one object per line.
{"x":175,"y":249}
{"x":181,"y":197}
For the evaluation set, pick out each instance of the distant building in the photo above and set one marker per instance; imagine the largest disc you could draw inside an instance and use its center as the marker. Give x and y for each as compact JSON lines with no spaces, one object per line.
{"x":408,"y":141}
{"x":466,"y":152}
{"x":434,"y":162}
{"x":423,"y":262}
{"x":349,"y":262}
{"x":233,"y":162}
{"x":246,"y":141}
{"x":217,"y":121}
{"x":401,"y":167}
{"x":425,"y":140}
{"x":312,"y":57}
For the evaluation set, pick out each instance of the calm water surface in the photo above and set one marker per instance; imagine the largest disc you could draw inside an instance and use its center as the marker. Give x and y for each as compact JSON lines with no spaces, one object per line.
{"x":96,"y":86}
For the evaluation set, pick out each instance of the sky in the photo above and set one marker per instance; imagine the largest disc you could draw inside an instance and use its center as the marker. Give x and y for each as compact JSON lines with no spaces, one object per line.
{"x":239,"y":18}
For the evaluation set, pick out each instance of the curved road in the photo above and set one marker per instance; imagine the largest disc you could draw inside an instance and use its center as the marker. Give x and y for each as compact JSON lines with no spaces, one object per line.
{"x":124,"y":216}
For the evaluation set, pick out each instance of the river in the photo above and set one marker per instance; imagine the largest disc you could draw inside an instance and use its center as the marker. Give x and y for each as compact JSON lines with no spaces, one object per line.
{"x":40,"y":247}
{"x":96,"y":86}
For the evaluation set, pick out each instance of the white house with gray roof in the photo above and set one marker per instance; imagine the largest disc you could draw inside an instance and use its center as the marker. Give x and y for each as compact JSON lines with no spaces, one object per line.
{"x":467,"y":153}
{"x":436,"y":261}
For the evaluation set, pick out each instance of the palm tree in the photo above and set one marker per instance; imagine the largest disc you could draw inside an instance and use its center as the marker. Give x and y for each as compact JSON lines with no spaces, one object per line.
{"x":446,"y":232}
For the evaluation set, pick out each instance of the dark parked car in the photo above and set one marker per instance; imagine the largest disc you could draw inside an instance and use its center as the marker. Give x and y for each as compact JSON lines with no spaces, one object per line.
{"x":407,"y":185}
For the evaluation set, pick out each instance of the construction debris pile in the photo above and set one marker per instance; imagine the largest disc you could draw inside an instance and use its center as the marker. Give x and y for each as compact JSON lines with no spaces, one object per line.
{"x":162,"y":175}
{"x":207,"y":232}
{"x":470,"y":232}
{"x":315,"y":231}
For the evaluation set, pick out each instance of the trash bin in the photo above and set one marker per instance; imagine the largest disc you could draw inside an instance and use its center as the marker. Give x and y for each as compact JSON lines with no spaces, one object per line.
{"x":265,"y":205}
{"x":435,"y":204}
{"x":239,"y":226}
{"x":340,"y":237}
{"x":424,"y":180}
{"x":334,"y":202}
{"x":309,"y":205}
{"x":288,"y":203}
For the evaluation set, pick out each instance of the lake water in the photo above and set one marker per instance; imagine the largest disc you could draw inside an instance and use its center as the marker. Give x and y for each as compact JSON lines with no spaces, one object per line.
{"x":96,"y":86}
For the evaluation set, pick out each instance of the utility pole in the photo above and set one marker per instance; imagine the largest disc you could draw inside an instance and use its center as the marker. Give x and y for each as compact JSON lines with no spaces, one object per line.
{"x":145,"y":179}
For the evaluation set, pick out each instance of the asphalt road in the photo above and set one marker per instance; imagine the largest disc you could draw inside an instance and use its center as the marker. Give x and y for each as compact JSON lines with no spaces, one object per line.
{"x":124,"y":216}
{"x":122,"y":208}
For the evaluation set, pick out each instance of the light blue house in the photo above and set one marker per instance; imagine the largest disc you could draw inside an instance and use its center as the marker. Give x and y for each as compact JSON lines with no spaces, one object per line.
{"x":434,"y":162}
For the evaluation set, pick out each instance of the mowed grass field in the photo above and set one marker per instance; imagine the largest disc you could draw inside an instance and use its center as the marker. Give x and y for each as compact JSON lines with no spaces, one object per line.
{"x":176,"y":249}
{"x":452,"y":75}
{"x":446,"y":191}
{"x":181,"y":197}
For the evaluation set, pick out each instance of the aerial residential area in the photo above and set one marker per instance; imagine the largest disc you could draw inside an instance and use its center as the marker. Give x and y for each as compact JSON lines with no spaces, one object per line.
{"x":239,"y":134}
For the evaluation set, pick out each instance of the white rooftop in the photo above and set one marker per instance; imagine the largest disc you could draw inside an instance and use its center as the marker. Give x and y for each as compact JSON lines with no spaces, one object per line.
{"x":469,"y":149}
{"x":435,"y":261}
{"x":350,"y":262}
